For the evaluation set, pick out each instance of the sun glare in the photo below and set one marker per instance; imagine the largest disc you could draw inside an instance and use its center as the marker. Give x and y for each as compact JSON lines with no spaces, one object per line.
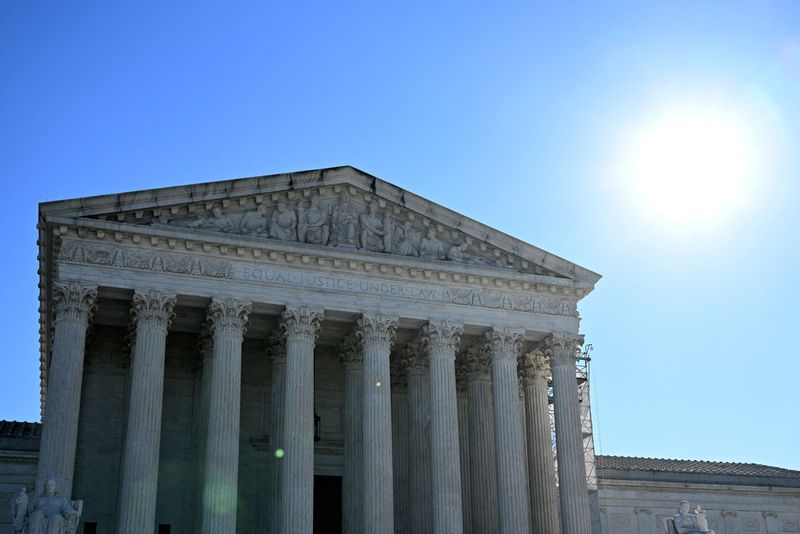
{"x":692,"y":167}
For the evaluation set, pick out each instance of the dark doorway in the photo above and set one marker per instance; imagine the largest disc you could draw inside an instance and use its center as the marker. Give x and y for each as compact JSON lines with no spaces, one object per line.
{"x":327,"y":505}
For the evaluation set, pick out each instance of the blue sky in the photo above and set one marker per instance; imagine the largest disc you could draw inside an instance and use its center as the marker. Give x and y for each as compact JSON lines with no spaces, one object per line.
{"x":517,"y":114}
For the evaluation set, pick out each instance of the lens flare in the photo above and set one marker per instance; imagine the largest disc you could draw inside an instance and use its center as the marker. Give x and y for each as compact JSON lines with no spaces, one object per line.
{"x":692,"y":166}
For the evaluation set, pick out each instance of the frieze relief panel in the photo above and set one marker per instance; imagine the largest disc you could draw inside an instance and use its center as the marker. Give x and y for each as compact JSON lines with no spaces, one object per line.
{"x":335,"y":216}
{"x":84,"y":252}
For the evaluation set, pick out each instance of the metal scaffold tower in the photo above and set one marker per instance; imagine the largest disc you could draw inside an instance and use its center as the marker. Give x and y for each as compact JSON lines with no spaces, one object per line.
{"x":582,"y":373}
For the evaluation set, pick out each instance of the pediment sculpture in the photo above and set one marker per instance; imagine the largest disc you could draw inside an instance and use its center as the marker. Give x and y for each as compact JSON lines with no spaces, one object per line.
{"x":48,"y":513}
{"x":346,"y":221}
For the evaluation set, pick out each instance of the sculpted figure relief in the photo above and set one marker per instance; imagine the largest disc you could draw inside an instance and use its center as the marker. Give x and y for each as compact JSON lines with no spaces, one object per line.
{"x":430,"y":247}
{"x":283,"y":224}
{"x":373,"y":231}
{"x":314,"y":224}
{"x":688,"y":523}
{"x":407,"y":240}
{"x":254,"y":222}
{"x":218,"y":221}
{"x":345,"y":223}
{"x":49,"y":513}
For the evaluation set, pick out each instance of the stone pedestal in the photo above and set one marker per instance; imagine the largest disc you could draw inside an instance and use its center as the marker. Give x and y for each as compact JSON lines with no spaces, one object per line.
{"x":139,"y":479}
{"x":512,"y":488}
{"x":221,"y":477}
{"x":376,"y":334}
{"x":301,"y":326}
{"x":563,"y":351}
{"x":352,"y":480}
{"x":439,"y":339}
{"x":541,"y":469}
{"x":277,"y":352}
{"x":73,"y":305}
{"x":482,"y":457}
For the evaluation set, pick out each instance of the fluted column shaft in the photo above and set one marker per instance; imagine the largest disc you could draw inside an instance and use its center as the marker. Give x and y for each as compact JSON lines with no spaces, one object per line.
{"x":482,"y":457}
{"x":439,"y":340}
{"x":400,"y":441}
{"x":463,"y":441}
{"x":420,"y":514}
{"x":277,"y":396}
{"x":221,"y":476}
{"x":541,"y":470}
{"x":463,"y":445}
{"x":139,"y":481}
{"x":562,"y":350}
{"x":376,"y":334}
{"x":512,"y":488}
{"x":205,"y":346}
{"x":353,"y":446}
{"x":302,"y":326}
{"x":73,"y":306}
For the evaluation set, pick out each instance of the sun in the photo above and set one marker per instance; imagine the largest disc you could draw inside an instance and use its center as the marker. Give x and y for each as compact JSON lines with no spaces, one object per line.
{"x":692,"y":167}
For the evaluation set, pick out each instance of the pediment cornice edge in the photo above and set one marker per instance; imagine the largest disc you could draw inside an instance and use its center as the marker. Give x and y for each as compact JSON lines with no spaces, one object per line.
{"x":228,"y":192}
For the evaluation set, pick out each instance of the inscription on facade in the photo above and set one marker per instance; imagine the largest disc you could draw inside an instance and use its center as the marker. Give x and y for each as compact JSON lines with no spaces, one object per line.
{"x":443,"y":295}
{"x":195,"y":265}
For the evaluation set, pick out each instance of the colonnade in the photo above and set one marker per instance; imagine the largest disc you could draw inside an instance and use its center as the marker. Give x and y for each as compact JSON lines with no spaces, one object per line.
{"x":486,"y":489}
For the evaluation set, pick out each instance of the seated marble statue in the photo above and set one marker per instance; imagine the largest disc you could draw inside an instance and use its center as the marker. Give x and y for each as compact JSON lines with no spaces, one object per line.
{"x":687,"y":523}
{"x":49,"y":513}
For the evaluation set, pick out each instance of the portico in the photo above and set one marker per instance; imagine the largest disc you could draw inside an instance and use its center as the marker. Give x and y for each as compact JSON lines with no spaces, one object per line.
{"x":221,"y":317}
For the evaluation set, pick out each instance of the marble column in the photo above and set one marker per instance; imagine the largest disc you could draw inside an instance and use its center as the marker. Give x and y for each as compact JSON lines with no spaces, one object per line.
{"x":301,"y":326}
{"x":512,"y":487}
{"x":73,"y":305}
{"x":376,"y":334}
{"x":352,"y":480}
{"x":228,"y":318}
{"x":205,"y":346}
{"x":541,"y":470}
{"x":400,"y":441}
{"x":152,"y":313}
{"x":277,"y":353}
{"x":463,"y":443}
{"x":439,"y":339}
{"x":420,"y":512}
{"x":482,"y":457}
{"x":563,"y":352}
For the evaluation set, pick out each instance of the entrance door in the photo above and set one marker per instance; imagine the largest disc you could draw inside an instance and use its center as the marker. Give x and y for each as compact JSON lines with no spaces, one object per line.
{"x":327,"y":505}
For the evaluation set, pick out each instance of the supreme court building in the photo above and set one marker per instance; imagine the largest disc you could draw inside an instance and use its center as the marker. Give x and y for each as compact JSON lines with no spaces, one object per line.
{"x":315,"y":350}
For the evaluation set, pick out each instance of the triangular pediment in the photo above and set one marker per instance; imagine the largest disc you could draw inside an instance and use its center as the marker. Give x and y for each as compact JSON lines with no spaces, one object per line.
{"x":342,"y":208}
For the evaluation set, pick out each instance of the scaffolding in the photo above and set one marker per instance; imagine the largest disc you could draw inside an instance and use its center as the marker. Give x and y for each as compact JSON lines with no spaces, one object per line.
{"x":582,"y":374}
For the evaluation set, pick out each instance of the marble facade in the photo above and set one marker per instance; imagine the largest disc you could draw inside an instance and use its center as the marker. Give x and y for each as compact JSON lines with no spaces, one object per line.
{"x":197,"y":331}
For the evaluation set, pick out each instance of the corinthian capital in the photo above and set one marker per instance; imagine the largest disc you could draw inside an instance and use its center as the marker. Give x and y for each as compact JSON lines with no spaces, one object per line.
{"x":504,"y":343}
{"x":276,"y":347}
{"x":533,"y":366}
{"x":153,"y":308}
{"x":441,"y":336}
{"x":301,"y":322}
{"x":376,"y":330}
{"x":228,"y":317}
{"x":563,"y":349}
{"x":72,"y":301}
{"x":350,"y":352}
{"x":476,"y":362}
{"x":412,"y":358}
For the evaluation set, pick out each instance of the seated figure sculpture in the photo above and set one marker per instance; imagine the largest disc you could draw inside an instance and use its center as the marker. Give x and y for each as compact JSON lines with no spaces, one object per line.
{"x":49,"y":513}
{"x":687,"y":523}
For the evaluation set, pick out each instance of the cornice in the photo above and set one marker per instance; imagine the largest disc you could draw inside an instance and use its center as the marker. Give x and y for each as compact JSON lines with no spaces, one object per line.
{"x":274,"y":252}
